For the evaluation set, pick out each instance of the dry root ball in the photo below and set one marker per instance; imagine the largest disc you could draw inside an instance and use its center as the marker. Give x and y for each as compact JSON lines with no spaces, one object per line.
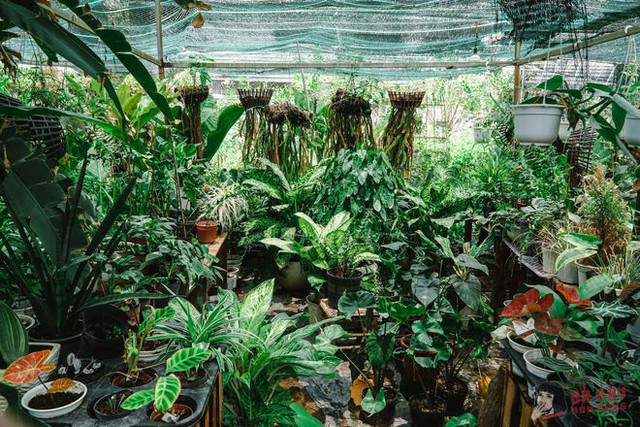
{"x":193,"y":94}
{"x":289,"y":112}
{"x":350,"y":104}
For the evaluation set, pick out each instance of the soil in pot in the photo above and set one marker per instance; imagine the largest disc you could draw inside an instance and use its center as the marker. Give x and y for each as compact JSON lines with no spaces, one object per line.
{"x":387,"y":415}
{"x":53,"y":400}
{"x":424,"y":412}
{"x":194,"y":379}
{"x":182,"y":409}
{"x":144,"y":377}
{"x":340,"y":282}
{"x":108,"y":407}
{"x":454,"y":396}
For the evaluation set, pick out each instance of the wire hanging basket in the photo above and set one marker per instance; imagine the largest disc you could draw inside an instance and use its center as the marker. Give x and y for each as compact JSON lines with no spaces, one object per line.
{"x":255,"y":98}
{"x":193,"y":94}
{"x":406,"y":100}
{"x":45,"y":133}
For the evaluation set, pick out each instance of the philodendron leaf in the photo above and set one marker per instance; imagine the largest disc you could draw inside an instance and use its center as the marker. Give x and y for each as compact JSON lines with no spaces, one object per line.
{"x":373,"y":405}
{"x":572,"y":255}
{"x":350,"y":302}
{"x":468,"y":261}
{"x":138,"y":399}
{"x":167,"y":391}
{"x":379,"y":348}
{"x":594,"y":285}
{"x":302,"y":418}
{"x":187,"y":358}
{"x":586,"y":241}
{"x":469,"y":291}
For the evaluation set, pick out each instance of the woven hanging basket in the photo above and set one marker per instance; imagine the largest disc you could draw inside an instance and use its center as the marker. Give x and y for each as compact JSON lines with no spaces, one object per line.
{"x":406,"y":100}
{"x":193,"y":94}
{"x":44,"y":132}
{"x":255,"y":98}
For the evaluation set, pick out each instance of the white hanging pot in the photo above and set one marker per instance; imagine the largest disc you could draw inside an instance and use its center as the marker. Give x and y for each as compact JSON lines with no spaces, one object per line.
{"x":537,"y":124}
{"x":630,"y":132}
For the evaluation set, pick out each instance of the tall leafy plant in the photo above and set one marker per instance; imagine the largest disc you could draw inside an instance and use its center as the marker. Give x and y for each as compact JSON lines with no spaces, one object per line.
{"x":64,"y":262}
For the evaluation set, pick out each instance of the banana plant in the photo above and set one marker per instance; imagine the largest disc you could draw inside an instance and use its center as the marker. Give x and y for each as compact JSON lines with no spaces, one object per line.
{"x":64,"y":262}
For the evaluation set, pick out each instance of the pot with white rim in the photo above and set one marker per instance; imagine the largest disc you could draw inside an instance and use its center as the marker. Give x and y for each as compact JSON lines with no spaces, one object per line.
{"x":536,"y":124}
{"x":521,"y":346}
{"x":532,"y":359}
{"x":52,"y":359}
{"x":232,"y":278}
{"x":630,"y":132}
{"x":35,"y":401}
{"x":584,"y":272}
{"x":568,"y":274}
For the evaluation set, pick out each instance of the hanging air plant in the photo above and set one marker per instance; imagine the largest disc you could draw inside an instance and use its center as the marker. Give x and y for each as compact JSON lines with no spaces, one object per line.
{"x":349,"y":123}
{"x":254,"y":129}
{"x":399,"y":133}
{"x":191,"y":97}
{"x":288,"y":139}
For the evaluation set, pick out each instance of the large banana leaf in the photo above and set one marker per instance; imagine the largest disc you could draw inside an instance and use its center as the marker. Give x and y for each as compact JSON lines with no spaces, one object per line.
{"x":215,"y":135}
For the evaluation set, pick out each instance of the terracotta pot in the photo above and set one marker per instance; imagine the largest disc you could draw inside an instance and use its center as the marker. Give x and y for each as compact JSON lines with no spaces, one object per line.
{"x":207,"y":231}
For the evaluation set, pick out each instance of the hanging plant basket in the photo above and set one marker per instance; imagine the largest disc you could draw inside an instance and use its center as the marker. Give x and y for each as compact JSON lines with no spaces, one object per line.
{"x":406,"y":100}
{"x":255,"y":98}
{"x":630,"y":132}
{"x":44,"y":132}
{"x":349,"y":123}
{"x":191,"y":95}
{"x":537,"y":124}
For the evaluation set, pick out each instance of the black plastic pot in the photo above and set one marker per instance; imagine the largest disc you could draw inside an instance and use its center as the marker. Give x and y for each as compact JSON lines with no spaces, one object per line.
{"x":99,"y":320}
{"x":388,"y":413}
{"x":455,"y":398}
{"x":106,"y":417}
{"x":337,"y":285}
{"x":420,"y":418}
{"x":68,"y":345}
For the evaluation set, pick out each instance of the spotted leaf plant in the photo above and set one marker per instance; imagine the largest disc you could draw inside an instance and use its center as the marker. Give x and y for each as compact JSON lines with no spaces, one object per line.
{"x":168,"y":388}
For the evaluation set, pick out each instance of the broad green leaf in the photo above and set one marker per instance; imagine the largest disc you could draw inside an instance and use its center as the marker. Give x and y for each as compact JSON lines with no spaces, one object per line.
{"x":309,"y":227}
{"x":373,"y":405}
{"x":186,"y":359}
{"x":302,"y":418}
{"x":464,"y":420}
{"x":167,"y":391}
{"x":255,"y":306}
{"x":380,"y":348}
{"x":468,"y":261}
{"x":594,"y":285}
{"x":227,"y":118}
{"x":585,"y":241}
{"x":469,"y":291}
{"x":615,"y":310}
{"x":350,"y":302}
{"x":138,"y":400}
{"x":572,"y":255}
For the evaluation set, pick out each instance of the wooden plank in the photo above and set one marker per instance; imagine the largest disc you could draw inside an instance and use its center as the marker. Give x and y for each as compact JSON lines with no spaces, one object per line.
{"x":510,"y":396}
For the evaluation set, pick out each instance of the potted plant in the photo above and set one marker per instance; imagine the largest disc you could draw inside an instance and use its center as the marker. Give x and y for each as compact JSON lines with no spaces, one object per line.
{"x":109,"y":407}
{"x":134,"y":346}
{"x":49,"y":261}
{"x":167,"y":405}
{"x":223,"y":207}
{"x":630,"y":132}
{"x":46,"y":400}
{"x":332,"y":250}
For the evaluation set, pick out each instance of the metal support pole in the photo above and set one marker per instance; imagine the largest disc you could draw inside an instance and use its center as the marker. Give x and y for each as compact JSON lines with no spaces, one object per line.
{"x":159,"y":40}
{"x":517,"y":77}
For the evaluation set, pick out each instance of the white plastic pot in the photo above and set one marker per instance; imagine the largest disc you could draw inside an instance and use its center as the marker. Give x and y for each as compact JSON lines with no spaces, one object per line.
{"x":549,"y":261}
{"x":78,"y":387}
{"x":232,"y":281}
{"x":630,"y":132}
{"x":568,"y":274}
{"x":522,"y":349}
{"x":536,"y":124}
{"x":535,"y":355}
